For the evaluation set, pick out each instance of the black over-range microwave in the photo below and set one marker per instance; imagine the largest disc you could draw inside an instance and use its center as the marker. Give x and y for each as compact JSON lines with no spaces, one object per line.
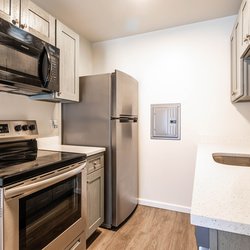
{"x":28,"y":65}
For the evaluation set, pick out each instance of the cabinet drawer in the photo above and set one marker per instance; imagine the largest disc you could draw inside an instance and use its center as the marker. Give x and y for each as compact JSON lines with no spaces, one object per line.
{"x":78,"y":244}
{"x":95,"y":163}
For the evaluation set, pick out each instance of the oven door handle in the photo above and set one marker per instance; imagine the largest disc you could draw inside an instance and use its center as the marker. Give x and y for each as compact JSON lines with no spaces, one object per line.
{"x":36,"y":185}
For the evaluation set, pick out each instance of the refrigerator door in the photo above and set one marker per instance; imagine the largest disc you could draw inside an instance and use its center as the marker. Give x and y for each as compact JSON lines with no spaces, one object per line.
{"x":124,"y":146}
{"x":125,"y":169}
{"x":124,"y":95}
{"x":87,"y":123}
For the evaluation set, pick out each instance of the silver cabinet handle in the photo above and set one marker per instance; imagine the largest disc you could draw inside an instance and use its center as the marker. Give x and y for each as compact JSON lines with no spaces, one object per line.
{"x":27,"y":188}
{"x":75,"y":245}
{"x":15,"y":21}
{"x":247,"y":38}
{"x":23,"y":26}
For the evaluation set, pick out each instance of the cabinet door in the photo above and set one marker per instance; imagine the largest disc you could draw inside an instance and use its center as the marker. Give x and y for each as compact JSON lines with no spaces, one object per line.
{"x":68,"y":43}
{"x":221,"y":240}
{"x":244,"y":26}
{"x":236,"y":74}
{"x":95,"y":199}
{"x":37,"y":21}
{"x":9,"y":11}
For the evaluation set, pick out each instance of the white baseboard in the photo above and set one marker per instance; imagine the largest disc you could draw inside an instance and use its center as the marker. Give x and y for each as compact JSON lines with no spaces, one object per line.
{"x":163,"y":205}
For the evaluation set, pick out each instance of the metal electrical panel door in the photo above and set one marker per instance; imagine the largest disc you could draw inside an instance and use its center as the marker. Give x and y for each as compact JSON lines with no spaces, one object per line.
{"x":165,"y":121}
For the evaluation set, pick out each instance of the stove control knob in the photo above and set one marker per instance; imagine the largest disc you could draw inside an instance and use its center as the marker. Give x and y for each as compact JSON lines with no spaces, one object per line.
{"x":25,"y":127}
{"x":32,"y":127}
{"x":18,"y":128}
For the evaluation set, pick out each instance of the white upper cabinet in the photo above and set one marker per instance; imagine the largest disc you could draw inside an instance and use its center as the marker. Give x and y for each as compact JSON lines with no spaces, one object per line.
{"x":240,"y":55}
{"x":37,"y":21}
{"x":10,"y":10}
{"x":28,"y":16}
{"x":244,"y":19}
{"x":68,"y":43}
{"x":236,"y":74}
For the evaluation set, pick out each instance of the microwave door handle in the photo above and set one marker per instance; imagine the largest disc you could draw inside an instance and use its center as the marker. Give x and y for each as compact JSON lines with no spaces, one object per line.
{"x":45,"y":67}
{"x":29,"y":188}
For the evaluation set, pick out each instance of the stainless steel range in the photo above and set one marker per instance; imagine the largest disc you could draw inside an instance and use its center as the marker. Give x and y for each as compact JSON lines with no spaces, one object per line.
{"x":42,"y":193}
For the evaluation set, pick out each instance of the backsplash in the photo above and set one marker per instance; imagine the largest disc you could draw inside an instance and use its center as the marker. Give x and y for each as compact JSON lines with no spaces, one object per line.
{"x":16,"y":107}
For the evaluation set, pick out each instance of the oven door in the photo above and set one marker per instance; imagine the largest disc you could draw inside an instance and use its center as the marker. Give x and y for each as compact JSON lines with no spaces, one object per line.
{"x":46,"y":212}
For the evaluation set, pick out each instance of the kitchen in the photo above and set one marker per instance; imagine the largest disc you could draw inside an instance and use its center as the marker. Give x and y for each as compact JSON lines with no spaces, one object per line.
{"x":188,"y":64}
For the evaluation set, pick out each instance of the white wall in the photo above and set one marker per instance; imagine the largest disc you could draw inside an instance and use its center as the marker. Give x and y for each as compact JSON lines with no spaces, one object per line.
{"x":188,"y":65}
{"x":17,"y":107}
{"x":21,"y":107}
{"x":85,"y":57}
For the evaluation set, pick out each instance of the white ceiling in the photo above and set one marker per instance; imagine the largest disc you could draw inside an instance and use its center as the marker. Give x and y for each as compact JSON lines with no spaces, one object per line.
{"x":99,"y":20}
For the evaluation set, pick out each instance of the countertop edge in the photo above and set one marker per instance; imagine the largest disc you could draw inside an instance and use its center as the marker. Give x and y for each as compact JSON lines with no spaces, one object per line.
{"x":222,"y":225}
{"x":89,"y":151}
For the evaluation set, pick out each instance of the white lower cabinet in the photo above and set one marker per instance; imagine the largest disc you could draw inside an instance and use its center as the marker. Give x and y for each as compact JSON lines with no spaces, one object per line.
{"x":95,"y":193}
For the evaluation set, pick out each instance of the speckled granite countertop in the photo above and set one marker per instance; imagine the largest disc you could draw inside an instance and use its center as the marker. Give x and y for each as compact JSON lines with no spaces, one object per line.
{"x":221,"y":193}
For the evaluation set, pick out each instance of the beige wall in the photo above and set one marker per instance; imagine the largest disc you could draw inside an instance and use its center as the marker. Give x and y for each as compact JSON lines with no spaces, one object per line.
{"x":85,"y":57}
{"x":188,"y":65}
{"x":21,"y":107}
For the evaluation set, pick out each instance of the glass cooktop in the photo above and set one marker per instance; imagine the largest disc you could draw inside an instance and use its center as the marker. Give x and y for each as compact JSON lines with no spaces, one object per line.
{"x":15,"y":171}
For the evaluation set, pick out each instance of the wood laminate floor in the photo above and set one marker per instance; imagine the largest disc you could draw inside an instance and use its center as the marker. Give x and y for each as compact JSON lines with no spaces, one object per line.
{"x":148,"y":228}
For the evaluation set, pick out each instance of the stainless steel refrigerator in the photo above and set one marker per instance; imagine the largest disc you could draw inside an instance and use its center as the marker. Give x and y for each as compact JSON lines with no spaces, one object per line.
{"x":107,"y":116}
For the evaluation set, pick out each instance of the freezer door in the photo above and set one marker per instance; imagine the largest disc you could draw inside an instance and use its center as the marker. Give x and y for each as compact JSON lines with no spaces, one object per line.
{"x":125,"y":169}
{"x":88,"y":122}
{"x":124,"y":94}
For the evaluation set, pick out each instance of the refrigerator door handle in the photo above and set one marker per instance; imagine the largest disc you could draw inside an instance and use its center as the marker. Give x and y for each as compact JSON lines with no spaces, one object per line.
{"x":125,"y":119}
{"x":135,"y":119}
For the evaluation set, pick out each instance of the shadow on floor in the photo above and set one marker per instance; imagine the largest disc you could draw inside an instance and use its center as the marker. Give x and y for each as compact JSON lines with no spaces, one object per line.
{"x":93,"y":237}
